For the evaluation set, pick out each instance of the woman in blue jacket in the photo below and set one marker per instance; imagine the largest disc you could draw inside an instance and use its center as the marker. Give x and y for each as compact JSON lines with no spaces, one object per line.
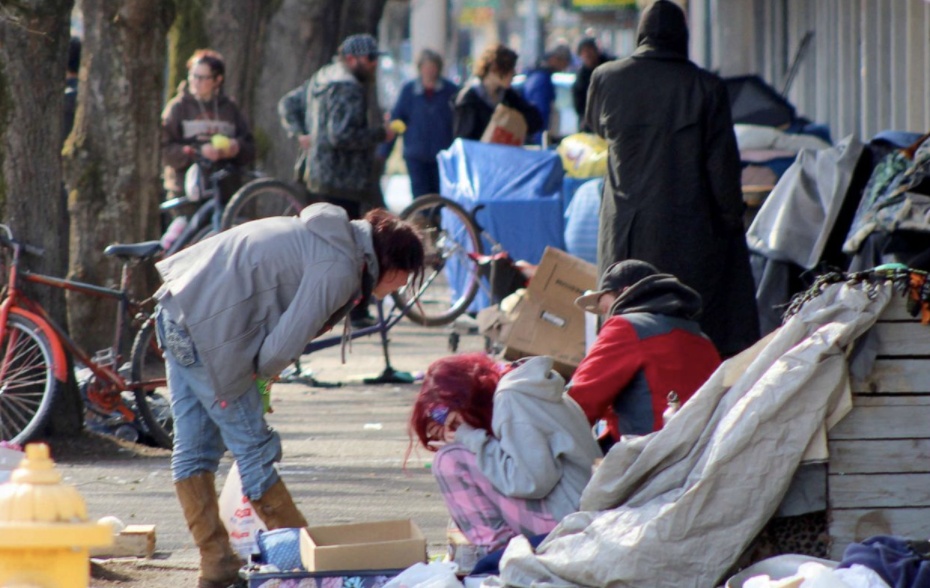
{"x":425,"y":106}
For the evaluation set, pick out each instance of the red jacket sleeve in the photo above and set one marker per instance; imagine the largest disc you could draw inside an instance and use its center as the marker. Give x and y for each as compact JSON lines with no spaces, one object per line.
{"x":609,"y":367}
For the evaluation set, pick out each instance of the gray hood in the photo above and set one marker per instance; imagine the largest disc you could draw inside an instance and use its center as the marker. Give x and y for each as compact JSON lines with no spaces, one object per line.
{"x":534,"y":377}
{"x":356,"y":242}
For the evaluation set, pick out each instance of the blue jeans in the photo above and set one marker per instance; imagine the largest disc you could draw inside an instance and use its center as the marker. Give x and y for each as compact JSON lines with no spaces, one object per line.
{"x":205,"y":426}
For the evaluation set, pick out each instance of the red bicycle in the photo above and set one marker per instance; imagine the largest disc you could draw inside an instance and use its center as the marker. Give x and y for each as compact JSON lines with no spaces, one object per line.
{"x":131,"y":398}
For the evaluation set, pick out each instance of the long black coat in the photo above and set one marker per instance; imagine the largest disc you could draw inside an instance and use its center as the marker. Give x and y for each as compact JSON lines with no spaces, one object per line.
{"x":672,"y":195}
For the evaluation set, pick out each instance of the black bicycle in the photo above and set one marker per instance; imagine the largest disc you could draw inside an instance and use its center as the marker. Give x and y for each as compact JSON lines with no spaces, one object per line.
{"x":261,"y":197}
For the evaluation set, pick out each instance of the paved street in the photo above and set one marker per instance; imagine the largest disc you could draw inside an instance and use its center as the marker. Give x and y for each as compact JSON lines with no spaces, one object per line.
{"x":339,"y":469}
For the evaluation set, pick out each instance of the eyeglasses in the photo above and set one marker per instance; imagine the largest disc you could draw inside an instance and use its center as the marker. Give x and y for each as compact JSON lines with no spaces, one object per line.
{"x":199,"y":77}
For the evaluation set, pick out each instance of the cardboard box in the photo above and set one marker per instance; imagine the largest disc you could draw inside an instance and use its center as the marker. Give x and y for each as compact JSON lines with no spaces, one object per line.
{"x":548,"y":322}
{"x":380,"y":545}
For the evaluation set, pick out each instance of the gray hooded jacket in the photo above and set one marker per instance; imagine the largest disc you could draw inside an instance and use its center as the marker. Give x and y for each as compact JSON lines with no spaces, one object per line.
{"x":253,"y":297}
{"x":542,"y":446}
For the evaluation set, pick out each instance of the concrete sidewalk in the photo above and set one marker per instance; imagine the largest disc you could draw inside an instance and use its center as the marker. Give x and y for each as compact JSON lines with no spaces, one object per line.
{"x":338,"y":469}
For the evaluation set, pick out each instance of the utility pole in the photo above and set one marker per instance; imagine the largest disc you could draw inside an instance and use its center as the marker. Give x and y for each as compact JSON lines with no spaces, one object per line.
{"x":428,"y":26}
{"x":531,"y":36}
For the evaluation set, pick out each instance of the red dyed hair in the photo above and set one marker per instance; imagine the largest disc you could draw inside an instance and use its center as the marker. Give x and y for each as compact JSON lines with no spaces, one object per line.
{"x":462,"y":383}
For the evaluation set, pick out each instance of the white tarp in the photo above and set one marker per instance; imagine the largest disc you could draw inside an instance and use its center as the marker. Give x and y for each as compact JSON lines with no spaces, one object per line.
{"x":676,"y":508}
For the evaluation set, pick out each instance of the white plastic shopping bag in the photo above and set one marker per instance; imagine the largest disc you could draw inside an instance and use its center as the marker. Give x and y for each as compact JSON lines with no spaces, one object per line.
{"x":435,"y":574}
{"x":238,"y":516}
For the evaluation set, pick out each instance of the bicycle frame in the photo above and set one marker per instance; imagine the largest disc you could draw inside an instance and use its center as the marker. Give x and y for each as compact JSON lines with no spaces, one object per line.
{"x":386,"y":322}
{"x":16,"y":301}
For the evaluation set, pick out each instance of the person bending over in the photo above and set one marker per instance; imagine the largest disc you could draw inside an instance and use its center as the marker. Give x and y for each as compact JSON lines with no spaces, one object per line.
{"x":233,"y":311}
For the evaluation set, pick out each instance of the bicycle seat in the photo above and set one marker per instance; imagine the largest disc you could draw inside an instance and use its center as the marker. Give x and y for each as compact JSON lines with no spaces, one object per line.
{"x":128,"y":251}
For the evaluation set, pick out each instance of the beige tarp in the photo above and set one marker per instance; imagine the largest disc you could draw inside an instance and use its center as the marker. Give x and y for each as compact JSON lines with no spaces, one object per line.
{"x":677,"y":507}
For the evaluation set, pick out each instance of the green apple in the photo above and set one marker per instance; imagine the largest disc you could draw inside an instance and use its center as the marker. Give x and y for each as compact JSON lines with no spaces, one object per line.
{"x":220,"y":142}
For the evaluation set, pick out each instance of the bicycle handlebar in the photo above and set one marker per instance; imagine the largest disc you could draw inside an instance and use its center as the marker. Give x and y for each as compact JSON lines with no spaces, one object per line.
{"x":7,"y":240}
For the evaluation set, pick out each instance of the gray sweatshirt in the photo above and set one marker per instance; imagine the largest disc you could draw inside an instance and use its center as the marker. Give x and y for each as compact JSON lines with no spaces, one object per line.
{"x":542,"y":446}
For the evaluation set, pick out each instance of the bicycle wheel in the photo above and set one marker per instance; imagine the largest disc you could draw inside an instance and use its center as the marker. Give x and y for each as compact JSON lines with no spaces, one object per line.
{"x":261,"y":198}
{"x":27,"y":380}
{"x":202,"y":234}
{"x":451,"y":277}
{"x":150,"y":387}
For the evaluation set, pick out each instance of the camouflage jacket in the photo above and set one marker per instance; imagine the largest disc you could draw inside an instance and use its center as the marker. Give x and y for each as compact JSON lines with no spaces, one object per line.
{"x":332,"y":108}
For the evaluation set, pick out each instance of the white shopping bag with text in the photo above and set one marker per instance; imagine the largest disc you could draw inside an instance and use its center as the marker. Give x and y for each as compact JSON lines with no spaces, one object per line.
{"x":238,"y":516}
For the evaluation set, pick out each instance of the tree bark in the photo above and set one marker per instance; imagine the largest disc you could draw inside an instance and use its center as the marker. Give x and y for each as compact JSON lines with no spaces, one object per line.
{"x":31,"y":100}
{"x":33,"y":51}
{"x":111,"y":161}
{"x":302,"y":36}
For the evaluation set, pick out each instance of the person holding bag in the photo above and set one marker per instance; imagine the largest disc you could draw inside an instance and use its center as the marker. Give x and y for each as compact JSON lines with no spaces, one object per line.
{"x":489,"y":95}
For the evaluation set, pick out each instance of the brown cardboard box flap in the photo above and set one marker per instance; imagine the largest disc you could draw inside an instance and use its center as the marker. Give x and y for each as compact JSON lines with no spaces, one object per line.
{"x":362,"y":546}
{"x":548,"y":322}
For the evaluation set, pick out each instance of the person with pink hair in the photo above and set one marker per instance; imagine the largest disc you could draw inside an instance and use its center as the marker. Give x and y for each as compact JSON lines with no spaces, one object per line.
{"x":513,"y":452}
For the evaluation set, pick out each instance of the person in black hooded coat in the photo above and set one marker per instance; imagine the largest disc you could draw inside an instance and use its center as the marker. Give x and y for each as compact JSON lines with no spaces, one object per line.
{"x":672,"y":195}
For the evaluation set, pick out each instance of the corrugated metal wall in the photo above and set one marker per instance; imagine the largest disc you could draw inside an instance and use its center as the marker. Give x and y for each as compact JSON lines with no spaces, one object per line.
{"x":865,"y":69}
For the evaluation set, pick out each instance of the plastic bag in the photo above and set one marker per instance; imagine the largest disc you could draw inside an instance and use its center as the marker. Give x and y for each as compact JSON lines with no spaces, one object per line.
{"x":507,"y":127}
{"x":239,"y":517}
{"x":584,"y":155}
{"x":432,"y":575}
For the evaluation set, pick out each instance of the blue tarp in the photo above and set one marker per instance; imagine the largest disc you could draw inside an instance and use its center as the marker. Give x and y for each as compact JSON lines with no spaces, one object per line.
{"x":521,"y":191}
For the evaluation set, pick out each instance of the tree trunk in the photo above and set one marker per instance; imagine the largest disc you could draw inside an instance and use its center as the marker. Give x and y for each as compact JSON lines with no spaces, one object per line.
{"x":302,"y":36}
{"x":33,"y":51}
{"x":112,"y":161}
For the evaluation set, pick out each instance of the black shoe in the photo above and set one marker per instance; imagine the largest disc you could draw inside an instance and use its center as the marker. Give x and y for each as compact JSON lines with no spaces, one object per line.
{"x":362,"y":322}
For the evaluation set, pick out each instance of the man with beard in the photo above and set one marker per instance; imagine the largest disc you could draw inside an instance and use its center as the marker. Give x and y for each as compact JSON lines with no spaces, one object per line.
{"x":672,"y":194}
{"x":329,"y":116}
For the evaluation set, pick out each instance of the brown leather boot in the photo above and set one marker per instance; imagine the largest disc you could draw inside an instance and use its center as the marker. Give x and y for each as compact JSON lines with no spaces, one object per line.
{"x":219,"y":564}
{"x":277,"y":509}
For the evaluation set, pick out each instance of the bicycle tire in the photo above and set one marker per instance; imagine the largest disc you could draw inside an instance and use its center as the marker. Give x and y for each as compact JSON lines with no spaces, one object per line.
{"x":262,"y":198}
{"x":451,"y":277}
{"x":200,"y":235}
{"x":152,"y":405}
{"x":28,"y":387}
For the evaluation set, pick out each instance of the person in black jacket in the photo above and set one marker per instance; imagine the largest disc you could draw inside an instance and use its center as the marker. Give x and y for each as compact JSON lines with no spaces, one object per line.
{"x":475,"y":103}
{"x":591,"y":57}
{"x":672,"y":193}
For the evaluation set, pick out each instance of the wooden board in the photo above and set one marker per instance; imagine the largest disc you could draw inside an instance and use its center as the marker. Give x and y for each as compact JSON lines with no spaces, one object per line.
{"x":898,"y":456}
{"x":896,"y":310}
{"x":133,"y":541}
{"x":905,"y":418}
{"x":896,"y":376}
{"x":878,"y":491}
{"x":903,"y":339}
{"x":852,"y":525}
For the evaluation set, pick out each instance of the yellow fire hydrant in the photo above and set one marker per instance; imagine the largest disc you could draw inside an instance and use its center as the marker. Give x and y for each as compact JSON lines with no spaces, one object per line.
{"x":44,"y":532}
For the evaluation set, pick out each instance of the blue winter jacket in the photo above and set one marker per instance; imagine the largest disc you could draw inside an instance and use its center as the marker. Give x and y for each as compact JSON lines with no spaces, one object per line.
{"x":428,"y":118}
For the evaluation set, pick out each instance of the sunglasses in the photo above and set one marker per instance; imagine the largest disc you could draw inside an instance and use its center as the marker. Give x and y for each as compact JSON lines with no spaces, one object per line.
{"x":199,"y":77}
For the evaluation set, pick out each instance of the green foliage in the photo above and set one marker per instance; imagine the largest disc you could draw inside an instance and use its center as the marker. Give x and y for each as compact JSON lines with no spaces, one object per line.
{"x":188,"y":33}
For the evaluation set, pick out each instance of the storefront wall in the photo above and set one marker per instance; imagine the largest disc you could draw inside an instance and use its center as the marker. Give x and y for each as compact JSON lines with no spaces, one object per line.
{"x":864,"y":70}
